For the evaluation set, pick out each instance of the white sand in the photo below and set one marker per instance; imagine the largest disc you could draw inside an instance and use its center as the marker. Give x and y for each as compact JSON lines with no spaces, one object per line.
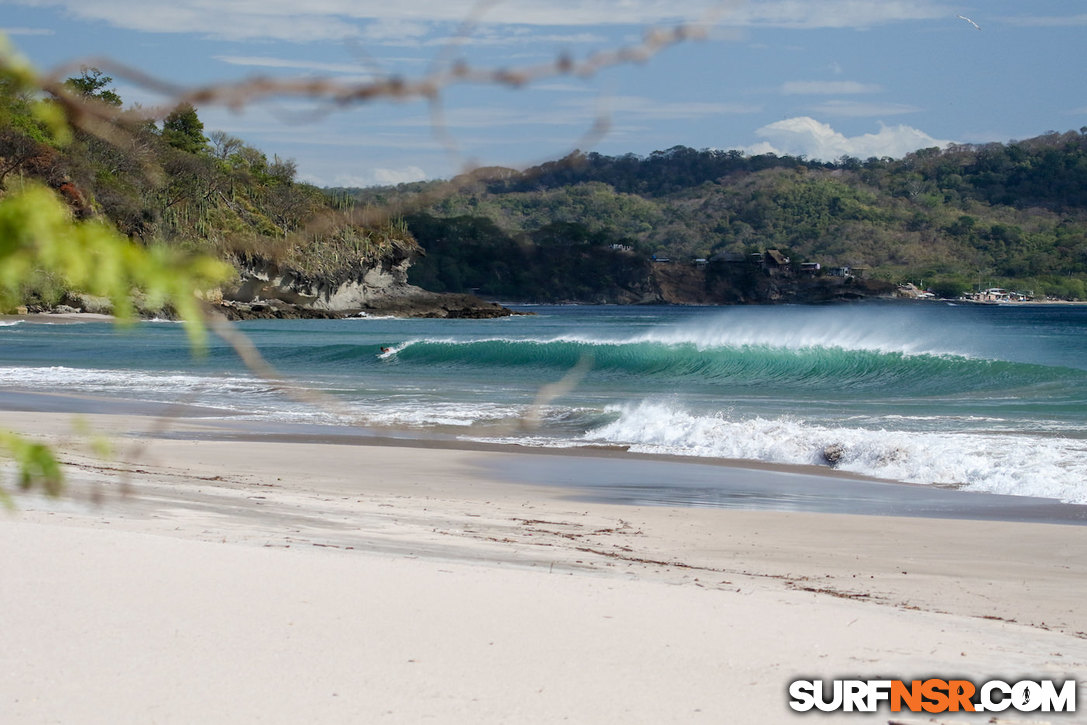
{"x":272,"y":582}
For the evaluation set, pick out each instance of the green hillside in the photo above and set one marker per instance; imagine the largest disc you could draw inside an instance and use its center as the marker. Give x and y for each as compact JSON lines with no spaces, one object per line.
{"x":170,"y":184}
{"x":1012,"y":215}
{"x":581,"y":228}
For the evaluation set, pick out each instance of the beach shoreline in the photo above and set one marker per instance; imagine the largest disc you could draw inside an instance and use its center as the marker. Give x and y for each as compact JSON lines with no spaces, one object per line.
{"x":285,"y":578}
{"x":583,"y":471}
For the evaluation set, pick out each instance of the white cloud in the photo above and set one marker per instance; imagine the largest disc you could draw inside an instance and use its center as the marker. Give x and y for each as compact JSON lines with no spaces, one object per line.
{"x":396,"y":21}
{"x":494,"y":38}
{"x":858,"y":109}
{"x":377,"y":177}
{"x":399,"y":176}
{"x":828,"y":88}
{"x":241,"y":20}
{"x":259,"y":61}
{"x":835,"y":13}
{"x":804,"y":136}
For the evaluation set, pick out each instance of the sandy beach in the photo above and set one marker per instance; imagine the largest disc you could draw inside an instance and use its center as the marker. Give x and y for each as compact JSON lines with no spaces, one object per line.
{"x":202,"y":576}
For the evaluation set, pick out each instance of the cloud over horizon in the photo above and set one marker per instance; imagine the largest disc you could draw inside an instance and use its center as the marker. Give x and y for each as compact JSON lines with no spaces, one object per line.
{"x":805,"y":136}
{"x":393,"y":22}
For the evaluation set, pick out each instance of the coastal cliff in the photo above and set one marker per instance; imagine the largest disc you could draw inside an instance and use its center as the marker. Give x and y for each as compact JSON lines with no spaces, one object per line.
{"x":354,"y":272}
{"x":266,"y":289}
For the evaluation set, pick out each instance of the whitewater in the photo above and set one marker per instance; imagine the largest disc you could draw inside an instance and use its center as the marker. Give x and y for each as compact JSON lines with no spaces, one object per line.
{"x":983,"y":398}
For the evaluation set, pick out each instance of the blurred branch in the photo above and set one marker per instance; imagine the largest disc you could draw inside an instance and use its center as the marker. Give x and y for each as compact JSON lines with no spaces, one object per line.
{"x":444,"y":72}
{"x":341,"y":94}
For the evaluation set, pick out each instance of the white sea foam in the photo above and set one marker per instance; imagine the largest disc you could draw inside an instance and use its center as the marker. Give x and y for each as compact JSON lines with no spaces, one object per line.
{"x":530,"y":441}
{"x":1007,"y":463}
{"x":889,"y":332}
{"x":136,"y":382}
{"x":845,"y":329}
{"x":10,"y":323}
{"x":430,"y":414}
{"x":254,"y":398}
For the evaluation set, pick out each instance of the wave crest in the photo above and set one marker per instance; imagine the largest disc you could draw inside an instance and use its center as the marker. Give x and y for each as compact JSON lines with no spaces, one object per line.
{"x":665,"y":363}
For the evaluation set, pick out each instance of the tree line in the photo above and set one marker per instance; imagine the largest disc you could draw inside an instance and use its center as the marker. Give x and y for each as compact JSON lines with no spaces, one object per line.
{"x":1012,"y":215}
{"x":173,"y":184}
{"x":582,"y":227}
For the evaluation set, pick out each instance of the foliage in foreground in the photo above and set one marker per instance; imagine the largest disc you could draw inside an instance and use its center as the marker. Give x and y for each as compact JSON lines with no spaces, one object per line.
{"x":38,"y":236}
{"x":99,"y":201}
{"x":51,"y":236}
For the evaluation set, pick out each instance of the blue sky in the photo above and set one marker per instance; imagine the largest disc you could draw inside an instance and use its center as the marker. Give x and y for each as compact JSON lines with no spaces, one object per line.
{"x":821,"y":78}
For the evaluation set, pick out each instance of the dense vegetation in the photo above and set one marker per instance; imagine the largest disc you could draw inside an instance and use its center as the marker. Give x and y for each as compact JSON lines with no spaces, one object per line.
{"x":581,"y":228}
{"x":558,"y":261}
{"x":169,"y":186}
{"x":1012,"y":215}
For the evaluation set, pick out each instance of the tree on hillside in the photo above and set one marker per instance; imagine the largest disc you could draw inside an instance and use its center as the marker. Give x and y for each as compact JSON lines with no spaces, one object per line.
{"x":224,"y":145}
{"x":93,"y":83}
{"x":22,"y":135}
{"x":183,"y":129}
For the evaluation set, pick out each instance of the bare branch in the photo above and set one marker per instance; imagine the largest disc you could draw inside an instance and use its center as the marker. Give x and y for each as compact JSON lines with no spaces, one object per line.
{"x":343,"y":94}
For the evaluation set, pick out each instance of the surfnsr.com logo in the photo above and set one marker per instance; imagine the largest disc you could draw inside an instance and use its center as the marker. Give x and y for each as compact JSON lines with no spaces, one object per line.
{"x":932,"y":695}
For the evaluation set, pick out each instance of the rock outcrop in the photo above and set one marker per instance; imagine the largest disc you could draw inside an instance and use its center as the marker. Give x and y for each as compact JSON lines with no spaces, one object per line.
{"x":266,"y":289}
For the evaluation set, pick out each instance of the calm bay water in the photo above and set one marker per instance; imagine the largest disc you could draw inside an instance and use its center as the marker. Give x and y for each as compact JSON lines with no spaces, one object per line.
{"x":990,"y":398}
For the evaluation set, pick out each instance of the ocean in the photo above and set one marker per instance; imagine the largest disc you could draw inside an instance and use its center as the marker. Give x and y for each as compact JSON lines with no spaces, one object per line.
{"x":986,"y":398}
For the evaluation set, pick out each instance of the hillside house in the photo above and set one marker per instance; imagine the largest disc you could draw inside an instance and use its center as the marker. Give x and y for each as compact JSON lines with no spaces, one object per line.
{"x":776,"y":263}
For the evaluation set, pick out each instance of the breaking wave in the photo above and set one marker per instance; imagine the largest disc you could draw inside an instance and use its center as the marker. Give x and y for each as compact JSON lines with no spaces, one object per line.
{"x":744,"y":364}
{"x":1006,"y":463}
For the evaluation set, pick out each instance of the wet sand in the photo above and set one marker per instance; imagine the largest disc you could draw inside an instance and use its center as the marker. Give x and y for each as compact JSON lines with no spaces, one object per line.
{"x":279,"y":579}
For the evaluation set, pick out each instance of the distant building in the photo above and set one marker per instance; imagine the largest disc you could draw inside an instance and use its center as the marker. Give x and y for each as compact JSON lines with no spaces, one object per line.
{"x":999,"y":294}
{"x":775,"y":258}
{"x":776,"y":264}
{"x":993,"y":294}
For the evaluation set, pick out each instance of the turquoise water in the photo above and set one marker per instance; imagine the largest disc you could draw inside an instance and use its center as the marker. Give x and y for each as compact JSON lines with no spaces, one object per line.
{"x":989,"y":398}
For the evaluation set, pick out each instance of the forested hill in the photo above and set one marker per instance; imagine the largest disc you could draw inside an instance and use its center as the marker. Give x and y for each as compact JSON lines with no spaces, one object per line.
{"x":170,"y":184}
{"x":583,"y":228}
{"x":1011,"y":215}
